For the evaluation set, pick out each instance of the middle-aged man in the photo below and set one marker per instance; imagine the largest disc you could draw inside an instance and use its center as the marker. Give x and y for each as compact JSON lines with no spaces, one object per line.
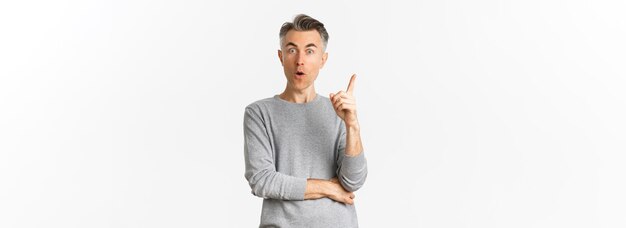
{"x":303,"y":151}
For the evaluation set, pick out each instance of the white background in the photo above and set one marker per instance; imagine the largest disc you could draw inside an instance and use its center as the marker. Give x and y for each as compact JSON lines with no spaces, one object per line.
{"x":473,"y":113}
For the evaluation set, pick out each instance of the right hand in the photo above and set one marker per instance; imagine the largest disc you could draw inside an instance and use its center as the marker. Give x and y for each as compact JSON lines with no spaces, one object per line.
{"x":337,"y":193}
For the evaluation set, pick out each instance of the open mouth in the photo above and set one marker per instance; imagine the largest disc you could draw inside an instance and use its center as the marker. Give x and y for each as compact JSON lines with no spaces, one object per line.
{"x":300,"y":73}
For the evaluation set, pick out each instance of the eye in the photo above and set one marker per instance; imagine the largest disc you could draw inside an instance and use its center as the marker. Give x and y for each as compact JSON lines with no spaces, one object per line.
{"x":309,"y":51}
{"x":292,"y":50}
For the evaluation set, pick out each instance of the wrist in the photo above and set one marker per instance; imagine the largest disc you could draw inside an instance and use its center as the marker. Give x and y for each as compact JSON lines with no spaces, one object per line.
{"x":353,"y":128}
{"x":353,"y":125}
{"x":316,"y":188}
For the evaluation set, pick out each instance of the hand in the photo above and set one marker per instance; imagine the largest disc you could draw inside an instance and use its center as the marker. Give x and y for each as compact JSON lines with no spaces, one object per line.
{"x":332,"y":189}
{"x":338,"y":193}
{"x":345,"y":104}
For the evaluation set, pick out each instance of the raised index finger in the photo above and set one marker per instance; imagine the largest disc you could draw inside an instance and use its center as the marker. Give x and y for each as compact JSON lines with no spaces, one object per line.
{"x":351,"y":84}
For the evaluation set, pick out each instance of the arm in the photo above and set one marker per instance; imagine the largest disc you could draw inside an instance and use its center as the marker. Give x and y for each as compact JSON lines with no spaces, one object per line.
{"x":317,"y":188}
{"x":261,"y":172}
{"x":351,"y":162}
{"x":354,"y":147}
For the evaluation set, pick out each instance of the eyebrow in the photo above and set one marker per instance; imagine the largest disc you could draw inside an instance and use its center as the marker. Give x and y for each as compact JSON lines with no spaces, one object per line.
{"x":308,"y":45}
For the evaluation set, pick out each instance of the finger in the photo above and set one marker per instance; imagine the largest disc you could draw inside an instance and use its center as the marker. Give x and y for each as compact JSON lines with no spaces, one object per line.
{"x":335,"y":98}
{"x":340,"y":94}
{"x":338,"y":107}
{"x":350,"y":89}
{"x":341,"y":101}
{"x":337,"y":101}
{"x":345,"y":99}
{"x":344,"y":106}
{"x":345,"y":96}
{"x":337,"y":95}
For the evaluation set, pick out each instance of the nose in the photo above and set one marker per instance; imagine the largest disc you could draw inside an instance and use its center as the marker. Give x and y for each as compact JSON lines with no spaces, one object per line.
{"x":300,"y":60}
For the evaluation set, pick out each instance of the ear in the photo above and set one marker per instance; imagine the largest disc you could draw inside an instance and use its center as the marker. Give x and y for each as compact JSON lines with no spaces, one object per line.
{"x":280,"y":57}
{"x":324,"y":58}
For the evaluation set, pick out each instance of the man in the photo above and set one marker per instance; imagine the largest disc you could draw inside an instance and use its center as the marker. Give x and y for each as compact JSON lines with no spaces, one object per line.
{"x":303,"y":152}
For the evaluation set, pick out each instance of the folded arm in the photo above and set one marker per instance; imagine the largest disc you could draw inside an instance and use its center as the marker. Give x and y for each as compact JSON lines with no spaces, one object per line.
{"x":266,"y":182}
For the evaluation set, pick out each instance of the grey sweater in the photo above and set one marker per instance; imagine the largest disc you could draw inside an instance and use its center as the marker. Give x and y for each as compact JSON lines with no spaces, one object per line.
{"x":286,"y":143}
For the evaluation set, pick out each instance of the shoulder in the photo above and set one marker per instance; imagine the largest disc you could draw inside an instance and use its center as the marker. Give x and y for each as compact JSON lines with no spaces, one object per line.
{"x":326,"y":104}
{"x":259,"y":108}
{"x":325,"y":101}
{"x":260,"y":104}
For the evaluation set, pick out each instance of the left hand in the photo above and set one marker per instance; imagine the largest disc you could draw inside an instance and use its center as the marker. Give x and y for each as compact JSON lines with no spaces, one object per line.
{"x":345,"y":104}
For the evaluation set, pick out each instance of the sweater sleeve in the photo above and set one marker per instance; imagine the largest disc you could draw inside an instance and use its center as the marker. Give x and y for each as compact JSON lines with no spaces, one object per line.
{"x":260,"y":171}
{"x":351,"y":170}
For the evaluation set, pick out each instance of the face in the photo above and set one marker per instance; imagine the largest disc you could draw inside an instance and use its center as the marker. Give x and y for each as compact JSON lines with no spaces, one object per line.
{"x":302,"y":56}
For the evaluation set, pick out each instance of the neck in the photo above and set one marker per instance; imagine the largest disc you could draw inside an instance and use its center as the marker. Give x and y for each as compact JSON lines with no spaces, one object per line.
{"x":299,"y":96}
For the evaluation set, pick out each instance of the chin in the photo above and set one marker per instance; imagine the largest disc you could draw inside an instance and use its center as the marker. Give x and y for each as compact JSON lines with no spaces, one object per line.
{"x":300,"y":85}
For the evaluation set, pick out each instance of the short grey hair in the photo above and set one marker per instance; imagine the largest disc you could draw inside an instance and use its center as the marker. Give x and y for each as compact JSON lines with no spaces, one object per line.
{"x":303,"y":22}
